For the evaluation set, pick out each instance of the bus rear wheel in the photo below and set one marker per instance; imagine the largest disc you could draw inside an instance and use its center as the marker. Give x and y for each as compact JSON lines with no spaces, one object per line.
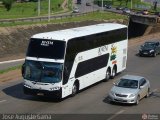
{"x":114,"y":72}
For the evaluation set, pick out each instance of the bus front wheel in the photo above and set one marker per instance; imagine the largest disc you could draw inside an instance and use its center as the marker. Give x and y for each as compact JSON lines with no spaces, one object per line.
{"x":74,"y":89}
{"x":108,"y":74}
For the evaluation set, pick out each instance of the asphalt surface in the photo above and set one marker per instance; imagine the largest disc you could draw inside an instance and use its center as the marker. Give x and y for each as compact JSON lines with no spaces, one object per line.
{"x":83,"y":8}
{"x":92,"y":102}
{"x":11,"y":63}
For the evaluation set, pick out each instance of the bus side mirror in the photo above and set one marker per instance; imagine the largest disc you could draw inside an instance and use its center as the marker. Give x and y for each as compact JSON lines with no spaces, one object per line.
{"x":115,"y":84}
{"x":22,"y":69}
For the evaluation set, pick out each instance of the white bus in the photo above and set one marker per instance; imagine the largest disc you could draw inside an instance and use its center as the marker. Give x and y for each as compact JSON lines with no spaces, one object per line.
{"x":60,"y":63}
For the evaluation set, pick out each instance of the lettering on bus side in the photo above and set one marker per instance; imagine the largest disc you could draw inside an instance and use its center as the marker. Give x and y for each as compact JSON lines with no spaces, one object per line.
{"x":102,"y":50}
{"x":46,"y":43}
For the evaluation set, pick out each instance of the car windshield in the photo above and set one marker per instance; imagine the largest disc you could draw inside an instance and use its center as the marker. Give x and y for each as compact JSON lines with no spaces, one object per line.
{"x":46,"y":72}
{"x":126,"y":83}
{"x":149,"y":45}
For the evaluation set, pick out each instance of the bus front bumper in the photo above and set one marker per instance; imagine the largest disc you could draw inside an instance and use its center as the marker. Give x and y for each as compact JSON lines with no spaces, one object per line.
{"x":37,"y":92}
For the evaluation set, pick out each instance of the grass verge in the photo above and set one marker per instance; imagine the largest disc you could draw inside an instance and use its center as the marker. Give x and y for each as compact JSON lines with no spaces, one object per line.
{"x":89,"y":16}
{"x":29,"y":9}
{"x":10,"y":69}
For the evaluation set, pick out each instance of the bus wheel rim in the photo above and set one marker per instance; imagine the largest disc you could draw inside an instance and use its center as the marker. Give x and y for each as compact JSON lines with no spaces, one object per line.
{"x":113,"y":72}
{"x":74,"y":89}
{"x":107,"y":75}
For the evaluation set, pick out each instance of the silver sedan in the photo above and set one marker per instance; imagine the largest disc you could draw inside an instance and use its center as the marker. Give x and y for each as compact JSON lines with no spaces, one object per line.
{"x":130,"y":89}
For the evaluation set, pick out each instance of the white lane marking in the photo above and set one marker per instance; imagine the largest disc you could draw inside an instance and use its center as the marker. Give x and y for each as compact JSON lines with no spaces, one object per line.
{"x":2,"y":101}
{"x":115,"y":115}
{"x":10,"y":61}
{"x":154,"y":90}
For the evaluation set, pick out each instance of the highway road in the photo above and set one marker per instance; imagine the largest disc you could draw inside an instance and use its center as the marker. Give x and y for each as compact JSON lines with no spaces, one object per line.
{"x":11,"y":63}
{"x":92,"y":101}
{"x":83,"y":8}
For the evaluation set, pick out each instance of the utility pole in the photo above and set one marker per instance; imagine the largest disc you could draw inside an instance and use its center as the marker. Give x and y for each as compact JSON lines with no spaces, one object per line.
{"x":68,"y":4}
{"x":39,"y":7}
{"x":131,"y":4}
{"x":102,"y":5}
{"x":49,"y":10}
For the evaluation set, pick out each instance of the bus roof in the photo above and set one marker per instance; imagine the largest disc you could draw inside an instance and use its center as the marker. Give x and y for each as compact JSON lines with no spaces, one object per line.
{"x":67,"y":34}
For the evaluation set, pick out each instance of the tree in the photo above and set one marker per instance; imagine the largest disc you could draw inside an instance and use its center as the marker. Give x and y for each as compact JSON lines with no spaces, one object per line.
{"x":127,"y":2}
{"x":120,"y":2}
{"x":7,"y":4}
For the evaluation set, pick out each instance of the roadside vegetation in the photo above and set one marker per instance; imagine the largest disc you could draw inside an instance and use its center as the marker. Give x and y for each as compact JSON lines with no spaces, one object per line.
{"x":136,"y":4}
{"x":89,"y":16}
{"x":10,"y":69}
{"x":29,"y":9}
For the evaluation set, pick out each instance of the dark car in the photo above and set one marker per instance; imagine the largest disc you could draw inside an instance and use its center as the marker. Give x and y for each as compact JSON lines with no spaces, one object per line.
{"x":108,"y":6}
{"x":150,"y":49}
{"x":119,"y":8}
{"x":88,"y":4}
{"x":78,"y":1}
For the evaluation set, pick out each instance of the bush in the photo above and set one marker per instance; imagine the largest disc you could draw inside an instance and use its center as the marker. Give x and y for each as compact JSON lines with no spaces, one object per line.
{"x":7,"y":4}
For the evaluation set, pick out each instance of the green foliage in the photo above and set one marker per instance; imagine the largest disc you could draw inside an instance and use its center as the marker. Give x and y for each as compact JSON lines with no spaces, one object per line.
{"x":7,"y":4}
{"x":29,"y":9}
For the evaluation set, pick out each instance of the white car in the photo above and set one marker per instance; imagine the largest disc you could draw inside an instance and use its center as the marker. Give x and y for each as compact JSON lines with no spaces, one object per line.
{"x":130,"y":89}
{"x":76,"y":10}
{"x":126,"y":11}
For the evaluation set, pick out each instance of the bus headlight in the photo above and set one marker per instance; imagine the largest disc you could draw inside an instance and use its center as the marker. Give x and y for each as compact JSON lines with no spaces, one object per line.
{"x":55,"y":88}
{"x":28,"y":86}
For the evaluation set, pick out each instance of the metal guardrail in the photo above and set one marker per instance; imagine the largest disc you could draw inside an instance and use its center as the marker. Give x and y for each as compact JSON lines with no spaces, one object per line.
{"x":43,"y":18}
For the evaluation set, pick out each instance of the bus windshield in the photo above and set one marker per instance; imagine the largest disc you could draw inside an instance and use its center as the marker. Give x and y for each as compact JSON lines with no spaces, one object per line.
{"x":42,"y":48}
{"x":46,"y":72}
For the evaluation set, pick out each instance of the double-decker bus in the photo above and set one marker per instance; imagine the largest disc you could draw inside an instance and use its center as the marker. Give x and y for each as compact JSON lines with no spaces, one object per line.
{"x":60,"y":63}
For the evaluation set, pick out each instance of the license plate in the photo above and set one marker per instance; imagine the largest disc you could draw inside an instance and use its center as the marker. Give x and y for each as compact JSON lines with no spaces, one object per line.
{"x":120,"y":99}
{"x":145,"y":53}
{"x":40,"y":94}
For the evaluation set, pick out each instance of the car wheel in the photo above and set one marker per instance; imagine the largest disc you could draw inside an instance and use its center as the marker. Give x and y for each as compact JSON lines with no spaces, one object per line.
{"x":74,"y":89}
{"x":147,"y":94}
{"x":108,"y":75}
{"x":140,"y":54}
{"x":137,"y":101}
{"x":154,"y":55}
